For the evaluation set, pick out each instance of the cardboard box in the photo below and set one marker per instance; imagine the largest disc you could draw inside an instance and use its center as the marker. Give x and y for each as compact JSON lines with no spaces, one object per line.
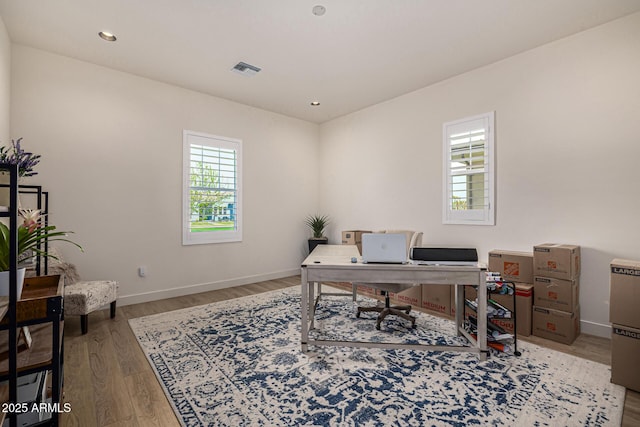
{"x":557,"y":294}
{"x":555,"y":325}
{"x":624,"y":301}
{"x":437,"y":298}
{"x":411,"y":296}
{"x":353,"y":237}
{"x":557,"y":261}
{"x":523,"y":308}
{"x":512,"y":265}
{"x":368,"y":291}
{"x":625,"y":347}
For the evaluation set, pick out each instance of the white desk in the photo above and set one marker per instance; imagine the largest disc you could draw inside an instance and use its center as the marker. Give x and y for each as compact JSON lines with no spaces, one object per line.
{"x":332,"y":263}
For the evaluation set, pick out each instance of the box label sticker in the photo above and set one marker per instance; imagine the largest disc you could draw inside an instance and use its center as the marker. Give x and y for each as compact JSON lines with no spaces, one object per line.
{"x":405,"y":298}
{"x":551,"y":326}
{"x":511,"y":268}
{"x":552,"y":265}
{"x":626,"y":333}
{"x":506,"y":324}
{"x":626,"y":271}
{"x":553,"y":295}
{"x":434,"y":306}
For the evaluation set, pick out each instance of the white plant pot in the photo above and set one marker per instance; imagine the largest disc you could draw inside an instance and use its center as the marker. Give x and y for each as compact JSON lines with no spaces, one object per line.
{"x":4,"y":282}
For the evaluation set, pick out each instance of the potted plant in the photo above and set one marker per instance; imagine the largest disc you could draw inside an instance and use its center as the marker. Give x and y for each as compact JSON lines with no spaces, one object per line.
{"x":31,"y":233}
{"x":317,"y":223}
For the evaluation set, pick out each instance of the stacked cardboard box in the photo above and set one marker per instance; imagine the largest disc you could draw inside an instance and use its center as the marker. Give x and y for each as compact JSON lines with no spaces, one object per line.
{"x":411,"y":296}
{"x":517,"y":267}
{"x":624,"y":315}
{"x":438,"y":299}
{"x":556,"y":308}
{"x":353,"y":237}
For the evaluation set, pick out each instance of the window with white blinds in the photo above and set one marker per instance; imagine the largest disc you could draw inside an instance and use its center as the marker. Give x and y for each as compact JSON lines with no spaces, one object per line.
{"x":212,"y":190}
{"x":468,"y":195}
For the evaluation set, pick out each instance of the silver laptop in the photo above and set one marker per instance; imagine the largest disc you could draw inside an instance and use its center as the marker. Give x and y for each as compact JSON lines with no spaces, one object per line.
{"x":387,"y":248}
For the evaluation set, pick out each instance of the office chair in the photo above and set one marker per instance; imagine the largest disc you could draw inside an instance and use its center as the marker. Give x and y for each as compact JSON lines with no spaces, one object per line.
{"x":414,"y":238}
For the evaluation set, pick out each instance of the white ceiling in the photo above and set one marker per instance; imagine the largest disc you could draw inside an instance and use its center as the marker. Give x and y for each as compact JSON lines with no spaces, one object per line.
{"x":359,"y":53}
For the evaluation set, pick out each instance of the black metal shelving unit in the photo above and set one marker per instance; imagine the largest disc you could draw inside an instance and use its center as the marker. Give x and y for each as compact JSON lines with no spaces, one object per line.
{"x":12,"y":351}
{"x":42,"y":308}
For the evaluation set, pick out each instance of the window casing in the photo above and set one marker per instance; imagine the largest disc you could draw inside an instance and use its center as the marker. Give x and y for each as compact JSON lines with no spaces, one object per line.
{"x":212,"y":189}
{"x":469,"y":184}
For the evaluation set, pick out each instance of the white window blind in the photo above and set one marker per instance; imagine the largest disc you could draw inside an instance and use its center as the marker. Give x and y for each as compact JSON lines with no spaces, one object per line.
{"x":212,"y":205}
{"x":468,"y":194}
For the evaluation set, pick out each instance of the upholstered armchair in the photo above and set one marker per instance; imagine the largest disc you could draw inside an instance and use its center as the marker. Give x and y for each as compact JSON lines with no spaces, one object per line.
{"x":414,"y":238}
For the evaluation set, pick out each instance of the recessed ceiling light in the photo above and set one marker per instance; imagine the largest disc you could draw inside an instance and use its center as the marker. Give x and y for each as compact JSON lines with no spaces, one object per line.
{"x":104,"y":35}
{"x":315,"y":103}
{"x":319,"y":10}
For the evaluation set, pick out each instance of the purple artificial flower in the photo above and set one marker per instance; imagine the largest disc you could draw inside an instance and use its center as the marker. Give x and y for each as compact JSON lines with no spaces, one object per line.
{"x":15,"y":155}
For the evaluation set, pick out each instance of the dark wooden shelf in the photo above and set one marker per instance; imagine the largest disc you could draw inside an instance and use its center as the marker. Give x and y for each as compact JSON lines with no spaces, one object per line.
{"x":35,"y":303}
{"x":39,"y":356}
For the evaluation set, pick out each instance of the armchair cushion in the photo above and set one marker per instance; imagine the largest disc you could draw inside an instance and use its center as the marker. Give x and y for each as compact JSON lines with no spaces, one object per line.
{"x":83,"y":297}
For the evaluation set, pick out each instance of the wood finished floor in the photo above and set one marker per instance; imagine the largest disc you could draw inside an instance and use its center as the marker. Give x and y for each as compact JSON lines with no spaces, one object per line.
{"x":109,"y":382}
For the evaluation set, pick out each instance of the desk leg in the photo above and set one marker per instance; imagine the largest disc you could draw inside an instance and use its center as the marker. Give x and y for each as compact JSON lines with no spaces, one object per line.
{"x":482,"y":315}
{"x":459,"y":306}
{"x":304,"y":310}
{"x":312,"y":304}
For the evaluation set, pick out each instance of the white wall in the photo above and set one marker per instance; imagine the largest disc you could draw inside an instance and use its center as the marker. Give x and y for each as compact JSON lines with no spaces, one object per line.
{"x":5,"y":84}
{"x":568,"y":144}
{"x":111,"y":146}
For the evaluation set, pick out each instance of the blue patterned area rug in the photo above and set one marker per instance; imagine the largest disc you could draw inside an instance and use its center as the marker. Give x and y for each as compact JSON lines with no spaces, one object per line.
{"x":239,"y":363}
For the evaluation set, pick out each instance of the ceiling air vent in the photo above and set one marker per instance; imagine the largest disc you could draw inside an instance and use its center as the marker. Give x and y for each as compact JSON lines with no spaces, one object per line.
{"x":245,"y":69}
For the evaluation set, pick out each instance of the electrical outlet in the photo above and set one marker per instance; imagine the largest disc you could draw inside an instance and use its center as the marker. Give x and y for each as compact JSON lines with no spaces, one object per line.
{"x":142,"y":271}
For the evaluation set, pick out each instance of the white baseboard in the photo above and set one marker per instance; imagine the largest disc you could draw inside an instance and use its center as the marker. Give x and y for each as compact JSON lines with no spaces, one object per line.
{"x":203,"y":287}
{"x":597,"y":329}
